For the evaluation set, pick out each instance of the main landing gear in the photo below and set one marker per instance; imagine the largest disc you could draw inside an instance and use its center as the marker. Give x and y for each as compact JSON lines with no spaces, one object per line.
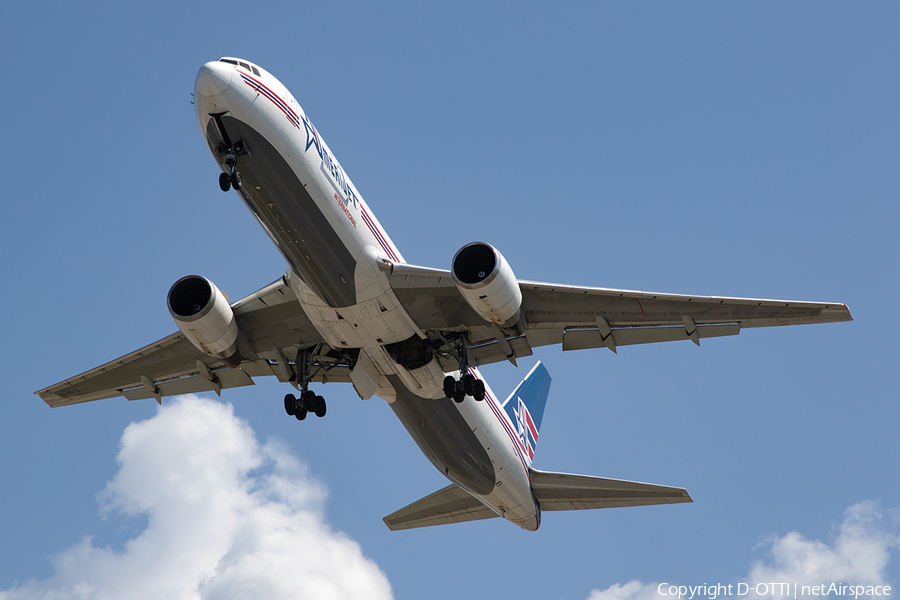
{"x":469,"y":385}
{"x":308,"y":402}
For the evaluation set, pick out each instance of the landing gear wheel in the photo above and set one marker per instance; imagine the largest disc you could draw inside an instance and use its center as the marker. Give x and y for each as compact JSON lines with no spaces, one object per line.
{"x":449,"y":386}
{"x":320,"y":406}
{"x":459,"y":397}
{"x":468,"y":381}
{"x":310,"y":402}
{"x":301,"y":414}
{"x":236,"y":181}
{"x":225,"y":182}
{"x":479,"y":390}
{"x":290,"y":405}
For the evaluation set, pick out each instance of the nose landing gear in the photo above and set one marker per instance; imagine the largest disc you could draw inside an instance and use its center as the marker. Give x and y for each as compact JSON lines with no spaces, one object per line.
{"x":226,"y":181}
{"x":232,"y":179}
{"x":228,"y":152}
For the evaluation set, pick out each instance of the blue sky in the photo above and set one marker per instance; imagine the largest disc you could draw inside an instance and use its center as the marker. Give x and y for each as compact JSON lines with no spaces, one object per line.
{"x":741,"y":149}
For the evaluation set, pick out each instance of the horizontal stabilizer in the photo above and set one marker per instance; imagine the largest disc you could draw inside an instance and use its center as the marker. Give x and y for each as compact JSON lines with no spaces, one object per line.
{"x":449,"y":505}
{"x":562,"y":491}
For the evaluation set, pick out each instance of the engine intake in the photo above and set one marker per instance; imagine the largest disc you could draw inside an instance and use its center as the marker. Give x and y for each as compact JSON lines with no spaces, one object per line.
{"x":203,"y":314}
{"x":488,"y":284}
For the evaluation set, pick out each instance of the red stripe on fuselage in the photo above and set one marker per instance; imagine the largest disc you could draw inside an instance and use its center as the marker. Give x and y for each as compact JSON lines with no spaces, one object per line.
{"x":378,"y":235}
{"x":272,"y":96}
{"x":507,"y":425}
{"x":282,"y":105}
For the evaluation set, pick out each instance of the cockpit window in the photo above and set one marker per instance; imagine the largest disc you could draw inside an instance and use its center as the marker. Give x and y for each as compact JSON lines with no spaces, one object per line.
{"x":247,"y":66}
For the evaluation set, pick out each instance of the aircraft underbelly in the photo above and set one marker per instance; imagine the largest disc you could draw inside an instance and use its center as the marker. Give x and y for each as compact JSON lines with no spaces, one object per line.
{"x":290,"y":216}
{"x":443,"y":435}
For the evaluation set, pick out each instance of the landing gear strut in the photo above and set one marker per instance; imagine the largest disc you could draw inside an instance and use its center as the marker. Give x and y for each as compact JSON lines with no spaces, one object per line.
{"x":469,"y":385}
{"x":229,"y":152}
{"x":308,"y":402}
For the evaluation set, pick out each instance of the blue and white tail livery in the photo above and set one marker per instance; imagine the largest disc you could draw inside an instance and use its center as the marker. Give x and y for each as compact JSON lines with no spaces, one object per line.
{"x":525,"y":407}
{"x":350,"y":309}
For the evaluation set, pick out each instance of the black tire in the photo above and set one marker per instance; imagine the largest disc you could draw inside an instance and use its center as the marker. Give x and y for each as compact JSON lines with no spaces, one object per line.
{"x":290,"y":404}
{"x":449,"y":386}
{"x":479,"y":390}
{"x":320,"y":406}
{"x":469,"y":384}
{"x":236,"y":181}
{"x":308,"y":401}
{"x":301,"y":414}
{"x":459,"y":397}
{"x":225,"y":182}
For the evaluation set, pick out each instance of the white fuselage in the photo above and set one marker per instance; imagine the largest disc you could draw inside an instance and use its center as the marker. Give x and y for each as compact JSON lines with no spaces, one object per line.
{"x":339,"y":261}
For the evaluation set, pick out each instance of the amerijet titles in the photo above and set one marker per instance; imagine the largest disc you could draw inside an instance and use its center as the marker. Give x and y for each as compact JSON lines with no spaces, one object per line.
{"x":330,"y":167}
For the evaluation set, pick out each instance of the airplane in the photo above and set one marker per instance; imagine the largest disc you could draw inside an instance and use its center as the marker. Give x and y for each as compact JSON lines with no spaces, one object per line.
{"x":350,"y":309}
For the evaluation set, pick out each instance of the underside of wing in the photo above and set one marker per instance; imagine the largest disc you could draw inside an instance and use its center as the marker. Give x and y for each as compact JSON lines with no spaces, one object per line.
{"x":575,"y":306}
{"x":449,"y":505}
{"x":273,"y":326}
{"x":563,"y":491}
{"x":589,"y":317}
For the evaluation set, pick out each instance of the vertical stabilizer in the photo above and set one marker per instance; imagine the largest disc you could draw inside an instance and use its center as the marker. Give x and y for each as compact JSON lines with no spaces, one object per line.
{"x":525,"y":407}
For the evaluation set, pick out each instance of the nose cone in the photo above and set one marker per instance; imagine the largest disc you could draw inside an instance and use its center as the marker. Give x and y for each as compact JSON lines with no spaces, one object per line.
{"x":213,"y":78}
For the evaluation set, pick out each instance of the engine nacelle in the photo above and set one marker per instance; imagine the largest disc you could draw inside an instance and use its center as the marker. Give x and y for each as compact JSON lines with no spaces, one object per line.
{"x":487,"y":282}
{"x":203,"y":314}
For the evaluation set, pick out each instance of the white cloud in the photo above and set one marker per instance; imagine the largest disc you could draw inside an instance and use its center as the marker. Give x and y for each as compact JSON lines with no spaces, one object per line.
{"x":858,"y":556}
{"x":227,"y":517}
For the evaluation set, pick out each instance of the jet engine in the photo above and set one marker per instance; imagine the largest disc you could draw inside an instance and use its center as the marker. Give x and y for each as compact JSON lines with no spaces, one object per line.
{"x":487,"y":282}
{"x":203,"y":314}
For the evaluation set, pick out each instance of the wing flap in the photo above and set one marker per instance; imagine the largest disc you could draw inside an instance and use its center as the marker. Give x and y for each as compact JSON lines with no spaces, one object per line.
{"x":222,"y":380}
{"x":451,"y":504}
{"x":564,"y":491}
{"x":583,"y":339}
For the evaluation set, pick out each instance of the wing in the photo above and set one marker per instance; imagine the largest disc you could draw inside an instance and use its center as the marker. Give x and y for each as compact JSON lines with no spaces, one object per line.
{"x":562,"y":491}
{"x":589,"y":317}
{"x":449,"y":505}
{"x":273,"y":326}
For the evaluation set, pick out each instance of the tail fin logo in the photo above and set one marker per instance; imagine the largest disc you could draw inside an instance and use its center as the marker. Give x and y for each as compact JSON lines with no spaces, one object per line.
{"x":527,"y":431}
{"x":525,"y":409}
